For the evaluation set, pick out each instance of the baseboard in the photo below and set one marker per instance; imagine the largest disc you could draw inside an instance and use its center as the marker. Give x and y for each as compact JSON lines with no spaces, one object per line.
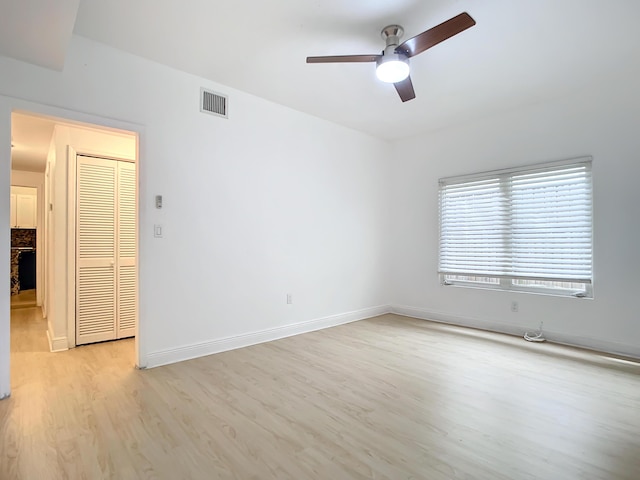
{"x":589,"y":343}
{"x":440,"y":317}
{"x":57,"y":344}
{"x":604,"y":346}
{"x":188,"y":352}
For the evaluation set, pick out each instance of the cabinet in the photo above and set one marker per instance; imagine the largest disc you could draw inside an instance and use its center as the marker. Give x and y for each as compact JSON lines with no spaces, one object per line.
{"x":25,"y":211}
{"x":14,"y":211}
{"x":23,"y":208}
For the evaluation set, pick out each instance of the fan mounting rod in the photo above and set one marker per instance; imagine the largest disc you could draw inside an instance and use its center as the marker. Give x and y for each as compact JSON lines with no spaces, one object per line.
{"x":392,"y":34}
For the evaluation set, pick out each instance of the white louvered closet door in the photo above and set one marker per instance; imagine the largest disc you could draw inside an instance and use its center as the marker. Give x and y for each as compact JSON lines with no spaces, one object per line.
{"x":126,"y":247}
{"x":105,"y":244}
{"x":96,"y":250}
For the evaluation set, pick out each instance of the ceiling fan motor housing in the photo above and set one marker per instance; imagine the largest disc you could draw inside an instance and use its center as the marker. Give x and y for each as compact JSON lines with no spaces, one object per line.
{"x":392,"y":66}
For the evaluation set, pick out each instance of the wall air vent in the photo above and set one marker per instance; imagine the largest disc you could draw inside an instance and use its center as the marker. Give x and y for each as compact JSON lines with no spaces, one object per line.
{"x":214,"y":103}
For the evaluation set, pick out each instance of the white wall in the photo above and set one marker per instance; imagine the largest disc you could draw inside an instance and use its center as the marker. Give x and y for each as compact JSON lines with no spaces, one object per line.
{"x":603,"y":122}
{"x":268,"y":202}
{"x":56,"y":300}
{"x":89,"y":141}
{"x":5,"y":243}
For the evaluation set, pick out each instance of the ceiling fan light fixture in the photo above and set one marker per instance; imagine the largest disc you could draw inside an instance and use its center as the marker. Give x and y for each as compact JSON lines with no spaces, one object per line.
{"x":392,"y":68}
{"x":392,"y":65}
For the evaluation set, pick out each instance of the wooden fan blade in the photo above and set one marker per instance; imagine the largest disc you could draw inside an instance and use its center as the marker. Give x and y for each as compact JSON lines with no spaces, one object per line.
{"x":344,"y":59}
{"x":437,"y":34}
{"x":405,"y":89}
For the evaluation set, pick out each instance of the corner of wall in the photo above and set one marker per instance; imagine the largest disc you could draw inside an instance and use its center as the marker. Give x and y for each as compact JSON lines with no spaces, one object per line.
{"x":5,"y":185}
{"x":188,"y":352}
{"x":56,"y":344}
{"x":572,"y":340}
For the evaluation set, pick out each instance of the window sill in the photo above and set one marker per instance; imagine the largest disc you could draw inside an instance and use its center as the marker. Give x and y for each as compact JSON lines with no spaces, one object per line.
{"x":543,"y":292}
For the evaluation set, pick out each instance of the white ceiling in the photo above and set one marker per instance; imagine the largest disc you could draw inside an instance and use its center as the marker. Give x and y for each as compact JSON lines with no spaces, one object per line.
{"x":519,"y":53}
{"x":30,"y":140}
{"x":37,"y":31}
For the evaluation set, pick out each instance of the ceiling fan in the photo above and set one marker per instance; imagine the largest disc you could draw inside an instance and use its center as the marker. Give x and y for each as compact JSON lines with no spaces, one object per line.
{"x":392,"y":65}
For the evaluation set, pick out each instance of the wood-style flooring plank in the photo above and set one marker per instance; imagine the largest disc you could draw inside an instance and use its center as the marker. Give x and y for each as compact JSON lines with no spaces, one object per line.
{"x":385,"y":398}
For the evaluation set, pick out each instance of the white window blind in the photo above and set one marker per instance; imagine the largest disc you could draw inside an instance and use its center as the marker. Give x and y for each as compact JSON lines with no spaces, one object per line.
{"x":524,"y":227}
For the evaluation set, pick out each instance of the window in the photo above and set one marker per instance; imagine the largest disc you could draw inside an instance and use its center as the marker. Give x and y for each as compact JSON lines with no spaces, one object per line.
{"x":527,"y":229}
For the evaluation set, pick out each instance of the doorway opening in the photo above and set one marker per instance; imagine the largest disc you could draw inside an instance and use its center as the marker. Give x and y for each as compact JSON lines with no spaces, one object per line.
{"x":74,"y":217}
{"x":23,"y":245}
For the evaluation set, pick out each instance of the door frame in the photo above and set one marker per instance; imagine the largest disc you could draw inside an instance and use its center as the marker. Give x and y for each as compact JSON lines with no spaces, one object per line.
{"x":9,"y":105}
{"x":72,"y":179}
{"x":71,"y":245}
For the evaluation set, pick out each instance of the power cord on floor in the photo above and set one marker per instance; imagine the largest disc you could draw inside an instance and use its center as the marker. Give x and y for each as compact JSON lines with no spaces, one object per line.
{"x":535,"y":336}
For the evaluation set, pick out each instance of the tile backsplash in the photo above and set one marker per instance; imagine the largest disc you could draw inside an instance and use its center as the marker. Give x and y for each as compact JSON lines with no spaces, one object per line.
{"x":15,"y":272}
{"x":23,"y":237}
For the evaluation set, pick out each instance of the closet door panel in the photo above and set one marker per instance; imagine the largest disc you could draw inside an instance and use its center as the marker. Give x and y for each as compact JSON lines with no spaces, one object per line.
{"x":95,"y":311}
{"x":127,"y":245}
{"x":127,"y":301}
{"x":96,"y":286}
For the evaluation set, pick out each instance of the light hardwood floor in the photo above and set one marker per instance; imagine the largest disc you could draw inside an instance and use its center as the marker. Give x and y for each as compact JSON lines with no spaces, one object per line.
{"x":26,"y":298}
{"x":386,"y":398}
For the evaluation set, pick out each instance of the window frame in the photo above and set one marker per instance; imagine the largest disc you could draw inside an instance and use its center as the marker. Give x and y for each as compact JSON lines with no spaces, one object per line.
{"x":580,"y":289}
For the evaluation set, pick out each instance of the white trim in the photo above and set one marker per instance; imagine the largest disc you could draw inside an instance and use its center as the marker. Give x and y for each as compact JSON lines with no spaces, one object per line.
{"x":604,"y":346}
{"x":472,"y":322}
{"x":71,"y":245}
{"x":5,"y":245}
{"x":58,"y":344}
{"x":530,"y":167}
{"x":187,"y":352}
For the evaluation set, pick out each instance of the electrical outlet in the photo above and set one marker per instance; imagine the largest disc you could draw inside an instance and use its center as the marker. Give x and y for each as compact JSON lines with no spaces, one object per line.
{"x":289,"y":299}
{"x":514,"y":306}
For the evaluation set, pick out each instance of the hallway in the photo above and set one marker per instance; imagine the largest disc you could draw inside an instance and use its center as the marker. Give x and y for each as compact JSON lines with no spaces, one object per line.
{"x":34,"y":366}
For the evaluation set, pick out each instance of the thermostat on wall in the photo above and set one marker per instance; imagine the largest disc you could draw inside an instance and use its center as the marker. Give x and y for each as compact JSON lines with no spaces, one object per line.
{"x":158,"y":201}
